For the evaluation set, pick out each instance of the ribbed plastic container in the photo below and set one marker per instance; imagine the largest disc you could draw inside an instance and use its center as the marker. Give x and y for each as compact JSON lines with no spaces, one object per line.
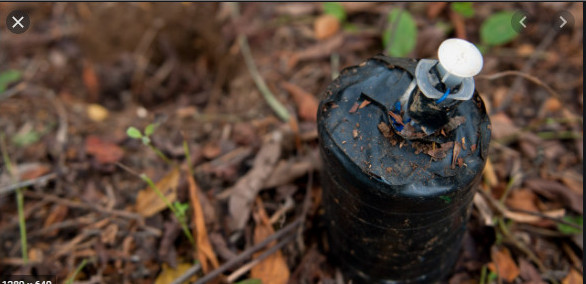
{"x":397,"y":207}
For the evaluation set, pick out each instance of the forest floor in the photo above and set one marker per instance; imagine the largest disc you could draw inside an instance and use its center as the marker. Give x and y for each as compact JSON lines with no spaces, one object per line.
{"x":235,"y":169}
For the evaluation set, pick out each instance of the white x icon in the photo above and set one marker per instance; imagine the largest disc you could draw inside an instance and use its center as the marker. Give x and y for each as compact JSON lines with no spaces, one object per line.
{"x":17,"y":22}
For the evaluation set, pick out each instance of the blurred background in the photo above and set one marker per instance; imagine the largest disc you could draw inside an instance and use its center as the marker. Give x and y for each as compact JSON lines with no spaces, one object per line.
{"x":225,"y":95}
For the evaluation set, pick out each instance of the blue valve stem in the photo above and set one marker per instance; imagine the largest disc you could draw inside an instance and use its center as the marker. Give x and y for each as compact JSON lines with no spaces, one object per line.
{"x":443,"y":97}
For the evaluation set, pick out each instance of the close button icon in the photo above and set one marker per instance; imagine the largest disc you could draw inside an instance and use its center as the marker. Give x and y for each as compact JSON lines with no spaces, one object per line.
{"x":18,"y":21}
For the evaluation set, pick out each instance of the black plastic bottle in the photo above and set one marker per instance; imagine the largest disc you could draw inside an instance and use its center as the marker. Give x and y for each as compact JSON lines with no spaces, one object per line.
{"x":404,"y":143}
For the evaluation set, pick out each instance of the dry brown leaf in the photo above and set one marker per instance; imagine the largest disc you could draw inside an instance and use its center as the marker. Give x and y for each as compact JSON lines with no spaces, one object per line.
{"x":306,"y":103}
{"x":528,"y":272}
{"x":456,"y":153}
{"x":529,"y":218}
{"x":320,"y":50}
{"x":91,"y":81}
{"x":211,"y":150}
{"x":108,"y":234}
{"x":574,"y":181}
{"x":294,"y":126}
{"x":104,"y":152}
{"x":169,"y":274}
{"x":498,"y":97}
{"x":326,"y":26}
{"x":486,"y":213}
{"x":272,"y":269}
{"x":397,"y":118}
{"x":287,"y":171}
{"x":245,"y":190}
{"x":205,"y":252}
{"x":435,"y":8}
{"x":97,"y":112}
{"x":35,"y":255}
{"x":363,"y":104}
{"x":557,"y":191}
{"x":522,"y":199}
{"x":459,"y":24}
{"x":525,"y":50}
{"x":503,"y":264}
{"x":32,"y":171}
{"x":502,"y":126}
{"x":552,"y":105}
{"x":354,"y":108}
{"x":148,"y":203}
{"x":58,"y":214}
{"x":574,"y":277}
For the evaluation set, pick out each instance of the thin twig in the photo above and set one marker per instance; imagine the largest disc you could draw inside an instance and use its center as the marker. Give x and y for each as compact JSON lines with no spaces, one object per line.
{"x":245,"y":268}
{"x":279,"y":109}
{"x":544,"y":216}
{"x":546,"y":42}
{"x":27,"y":183}
{"x":79,"y":205}
{"x":19,"y":200}
{"x":531,"y":78}
{"x":241,"y":257}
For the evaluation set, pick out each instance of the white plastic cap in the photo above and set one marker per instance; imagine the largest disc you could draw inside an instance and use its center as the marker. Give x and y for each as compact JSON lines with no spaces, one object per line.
{"x":460,"y":58}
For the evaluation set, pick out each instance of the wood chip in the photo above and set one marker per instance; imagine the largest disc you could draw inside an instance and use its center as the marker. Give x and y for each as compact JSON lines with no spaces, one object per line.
{"x":245,"y":190}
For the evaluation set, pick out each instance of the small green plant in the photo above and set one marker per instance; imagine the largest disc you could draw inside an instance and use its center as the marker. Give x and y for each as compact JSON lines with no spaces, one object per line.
{"x":339,"y":12}
{"x":26,"y":138}
{"x":179,"y":209}
{"x":77,"y":270}
{"x":400,"y":37}
{"x":464,"y":9}
{"x":335,"y":9}
{"x":134,"y":133}
{"x":19,"y":201}
{"x":8,"y":77}
{"x":497,"y":29}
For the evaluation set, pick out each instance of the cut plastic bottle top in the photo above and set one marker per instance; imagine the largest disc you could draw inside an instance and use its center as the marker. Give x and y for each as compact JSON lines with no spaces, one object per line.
{"x":460,"y":57}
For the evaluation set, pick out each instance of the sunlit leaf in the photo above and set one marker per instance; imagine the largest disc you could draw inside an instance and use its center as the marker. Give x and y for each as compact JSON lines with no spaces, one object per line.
{"x":148,"y":131}
{"x":148,"y":201}
{"x":25,"y":139}
{"x":497,"y":29}
{"x":465,"y":9}
{"x":401,"y":35}
{"x":169,"y":274}
{"x":567,"y":229}
{"x":132,"y":132}
{"x":335,"y":9}
{"x":8,"y":77}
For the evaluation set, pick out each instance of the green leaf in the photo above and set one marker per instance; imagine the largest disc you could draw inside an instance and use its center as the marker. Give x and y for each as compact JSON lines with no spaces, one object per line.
{"x":149,"y":129}
{"x":25,"y":139}
{"x":497,"y":29}
{"x":335,"y":9}
{"x":181,"y":207}
{"x":250,"y":281}
{"x":492,"y":276}
{"x":566,"y":229}
{"x":8,"y":77}
{"x":405,"y":34}
{"x":465,"y":9}
{"x":132,"y":132}
{"x":145,"y":140}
